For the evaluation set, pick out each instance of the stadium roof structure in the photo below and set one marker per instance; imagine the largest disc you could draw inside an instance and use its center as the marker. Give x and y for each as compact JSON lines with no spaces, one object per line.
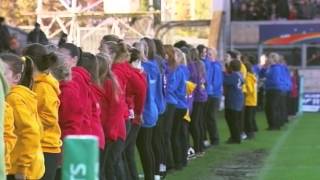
{"x":81,"y":22}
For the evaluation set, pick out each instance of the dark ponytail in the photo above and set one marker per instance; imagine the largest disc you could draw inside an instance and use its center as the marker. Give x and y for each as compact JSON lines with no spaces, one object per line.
{"x":40,"y":56}
{"x":27,"y":73}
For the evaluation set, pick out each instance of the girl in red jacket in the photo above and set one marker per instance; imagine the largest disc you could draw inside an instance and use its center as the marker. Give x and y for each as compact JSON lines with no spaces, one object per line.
{"x":90,"y":63}
{"x":129,"y":152}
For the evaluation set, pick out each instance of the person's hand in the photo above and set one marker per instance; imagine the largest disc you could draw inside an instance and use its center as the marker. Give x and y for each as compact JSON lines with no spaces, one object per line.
{"x":20,"y":177}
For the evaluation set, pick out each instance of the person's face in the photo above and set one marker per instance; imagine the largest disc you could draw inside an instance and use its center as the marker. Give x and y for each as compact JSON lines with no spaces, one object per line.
{"x":204,"y":53}
{"x":227,"y":58}
{"x":11,"y":78}
{"x":69,"y":61}
{"x":212,"y":54}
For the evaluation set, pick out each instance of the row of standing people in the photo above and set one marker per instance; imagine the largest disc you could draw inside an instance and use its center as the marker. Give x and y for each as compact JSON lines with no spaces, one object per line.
{"x":149,"y":94}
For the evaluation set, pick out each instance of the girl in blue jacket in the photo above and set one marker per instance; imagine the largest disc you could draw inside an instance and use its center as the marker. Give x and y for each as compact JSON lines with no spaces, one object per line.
{"x":274,"y":86}
{"x":214,"y":90}
{"x":152,"y":109}
{"x":285,"y":93}
{"x":234,"y":100}
{"x":171,"y":99}
{"x":179,"y":135}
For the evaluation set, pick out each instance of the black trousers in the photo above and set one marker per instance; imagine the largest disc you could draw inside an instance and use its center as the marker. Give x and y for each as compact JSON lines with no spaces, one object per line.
{"x":273,"y":108}
{"x":167,"y":127}
{"x":158,"y":144}
{"x":283,"y":108}
{"x":144,"y":144}
{"x":178,"y":138}
{"x":249,"y":121}
{"x":212,"y":108}
{"x":234,"y":124}
{"x":51,"y":161}
{"x":196,"y":126}
{"x":129,"y":153}
{"x":185,"y":142}
{"x":261,"y":99}
{"x":293,"y":105}
{"x":113,"y":163}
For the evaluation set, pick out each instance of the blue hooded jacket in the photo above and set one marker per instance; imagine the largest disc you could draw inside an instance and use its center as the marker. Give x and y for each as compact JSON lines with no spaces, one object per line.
{"x":161,"y":63}
{"x":181,"y":91}
{"x":153,"y":98}
{"x":234,"y":98}
{"x":287,"y":77}
{"x":215,"y":83}
{"x":256,"y":70}
{"x":275,"y":78}
{"x":172,"y":85}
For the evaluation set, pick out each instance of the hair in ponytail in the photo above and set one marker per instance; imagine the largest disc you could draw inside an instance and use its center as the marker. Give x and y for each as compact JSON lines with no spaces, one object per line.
{"x":27,"y":73}
{"x":17,"y":65}
{"x":90,"y":63}
{"x":105,"y":73}
{"x":40,"y":56}
{"x":117,"y":49}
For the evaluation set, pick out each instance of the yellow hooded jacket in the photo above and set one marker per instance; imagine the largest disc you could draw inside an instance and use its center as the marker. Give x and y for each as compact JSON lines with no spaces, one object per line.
{"x":251,"y":86}
{"x":244,"y":72}
{"x":10,"y":138}
{"x":27,"y":156}
{"x":47,"y":89}
{"x":190,"y":86}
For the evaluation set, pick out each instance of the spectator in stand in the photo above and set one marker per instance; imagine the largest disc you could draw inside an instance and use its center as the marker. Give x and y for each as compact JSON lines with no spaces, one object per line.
{"x":15,"y":46}
{"x":307,"y":9}
{"x":282,"y":9}
{"x":253,"y":11}
{"x":293,"y":13}
{"x":4,"y":36}
{"x":37,"y":36}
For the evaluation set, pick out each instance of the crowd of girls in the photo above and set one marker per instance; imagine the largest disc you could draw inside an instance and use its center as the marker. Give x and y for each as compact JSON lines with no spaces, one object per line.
{"x":146,"y":95}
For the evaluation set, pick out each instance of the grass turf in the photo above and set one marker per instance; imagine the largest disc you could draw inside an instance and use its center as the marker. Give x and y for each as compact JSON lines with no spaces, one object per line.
{"x":296,"y":157}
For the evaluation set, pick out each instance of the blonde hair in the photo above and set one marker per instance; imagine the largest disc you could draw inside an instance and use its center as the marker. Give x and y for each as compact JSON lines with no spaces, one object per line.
{"x":273,"y":58}
{"x":180,"y":57}
{"x":105,"y":73}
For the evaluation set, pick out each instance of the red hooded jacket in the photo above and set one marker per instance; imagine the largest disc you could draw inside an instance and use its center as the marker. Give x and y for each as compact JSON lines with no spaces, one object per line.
{"x":136,"y":93}
{"x":96,"y":123}
{"x":75,"y":109}
{"x":132,"y":83}
{"x":112,"y":115}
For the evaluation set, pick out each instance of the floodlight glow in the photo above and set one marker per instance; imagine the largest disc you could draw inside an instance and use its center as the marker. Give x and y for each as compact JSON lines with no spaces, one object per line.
{"x":117,"y":6}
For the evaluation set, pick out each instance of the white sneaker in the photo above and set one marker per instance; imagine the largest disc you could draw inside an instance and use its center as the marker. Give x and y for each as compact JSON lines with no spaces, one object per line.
{"x":206,"y":143}
{"x":191,"y":154}
{"x":243,"y":136}
{"x":141,"y":176}
{"x":163,"y":168}
{"x":157,"y":177}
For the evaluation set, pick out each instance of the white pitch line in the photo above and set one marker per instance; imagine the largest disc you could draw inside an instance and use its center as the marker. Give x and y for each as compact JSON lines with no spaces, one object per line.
{"x":275,"y":150}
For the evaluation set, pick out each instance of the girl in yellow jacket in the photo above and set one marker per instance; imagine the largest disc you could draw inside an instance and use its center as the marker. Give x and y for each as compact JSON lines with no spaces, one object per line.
{"x":27,"y":161}
{"x":10,"y":138}
{"x":250,"y":101}
{"x":47,"y":89}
